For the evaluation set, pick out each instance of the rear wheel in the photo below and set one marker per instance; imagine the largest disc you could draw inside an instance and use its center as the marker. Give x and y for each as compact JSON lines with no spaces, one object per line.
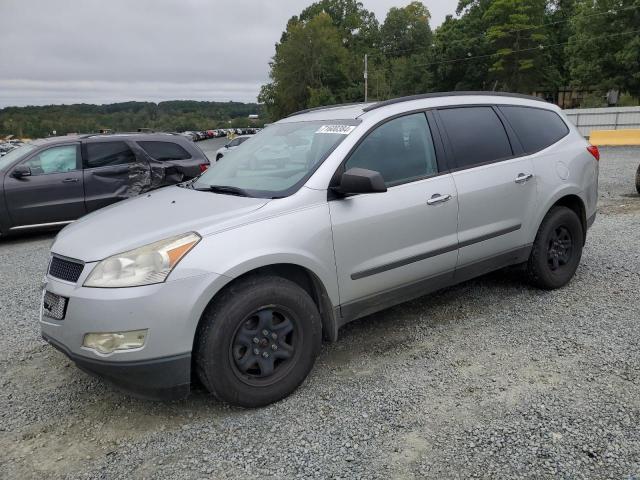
{"x":258,"y":341}
{"x":556,"y":250}
{"x":218,"y":157}
{"x":638,"y":179}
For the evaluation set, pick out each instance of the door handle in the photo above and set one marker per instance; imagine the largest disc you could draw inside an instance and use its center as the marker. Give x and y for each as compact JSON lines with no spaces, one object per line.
{"x":70,"y":180}
{"x":437,"y":198}
{"x":524,"y":177}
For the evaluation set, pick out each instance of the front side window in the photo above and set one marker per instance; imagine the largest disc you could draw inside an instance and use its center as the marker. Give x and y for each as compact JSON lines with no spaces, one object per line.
{"x":16,"y":154}
{"x":275,"y":162}
{"x":63,"y":158}
{"x":103,"y":154}
{"x":164,"y":151}
{"x":476,"y":135}
{"x":401,"y":150}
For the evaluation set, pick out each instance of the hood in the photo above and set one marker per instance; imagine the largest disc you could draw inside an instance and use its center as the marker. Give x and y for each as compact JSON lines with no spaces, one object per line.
{"x":150,"y":217}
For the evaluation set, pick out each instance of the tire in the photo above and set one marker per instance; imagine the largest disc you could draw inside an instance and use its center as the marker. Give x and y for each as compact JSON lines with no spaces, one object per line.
{"x":249,"y":330}
{"x":218,"y":157}
{"x":557,"y":249}
{"x":638,"y":179}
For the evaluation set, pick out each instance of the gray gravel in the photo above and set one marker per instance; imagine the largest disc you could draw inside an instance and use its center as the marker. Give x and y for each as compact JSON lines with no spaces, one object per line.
{"x":487,"y":379}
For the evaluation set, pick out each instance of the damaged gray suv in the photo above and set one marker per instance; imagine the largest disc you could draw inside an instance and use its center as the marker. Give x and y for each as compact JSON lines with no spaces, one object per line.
{"x":52,"y":182}
{"x":326,"y":216}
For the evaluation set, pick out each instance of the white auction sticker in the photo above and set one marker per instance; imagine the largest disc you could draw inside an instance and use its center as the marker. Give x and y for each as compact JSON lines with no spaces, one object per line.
{"x":339,"y":129}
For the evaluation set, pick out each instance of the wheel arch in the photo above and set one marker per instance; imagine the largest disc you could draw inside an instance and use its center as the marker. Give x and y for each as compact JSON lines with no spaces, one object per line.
{"x":302,"y":276}
{"x":572,"y":200}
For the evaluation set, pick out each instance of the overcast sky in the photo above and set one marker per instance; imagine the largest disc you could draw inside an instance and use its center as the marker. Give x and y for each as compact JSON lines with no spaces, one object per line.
{"x":103,"y":51}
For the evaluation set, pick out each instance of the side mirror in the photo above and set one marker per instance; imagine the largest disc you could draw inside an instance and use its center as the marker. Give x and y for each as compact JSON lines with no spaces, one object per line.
{"x":21,"y":171}
{"x":361,"y":180}
{"x":226,"y":145}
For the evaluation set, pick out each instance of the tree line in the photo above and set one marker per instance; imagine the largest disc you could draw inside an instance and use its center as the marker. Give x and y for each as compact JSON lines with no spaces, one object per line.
{"x":523,"y":46}
{"x":171,"y":116}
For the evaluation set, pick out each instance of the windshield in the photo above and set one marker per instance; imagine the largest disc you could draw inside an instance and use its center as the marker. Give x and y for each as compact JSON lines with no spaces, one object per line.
{"x":15,"y":154}
{"x":276,"y":161}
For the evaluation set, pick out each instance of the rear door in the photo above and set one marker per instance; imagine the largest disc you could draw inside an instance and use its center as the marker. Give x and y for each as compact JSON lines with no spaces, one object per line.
{"x":52,"y":193}
{"x":172,"y":160}
{"x":112,"y":172}
{"x":495,"y":183}
{"x":387,"y":243}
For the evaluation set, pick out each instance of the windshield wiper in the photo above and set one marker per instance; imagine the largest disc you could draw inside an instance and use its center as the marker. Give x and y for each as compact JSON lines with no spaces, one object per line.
{"x":228,"y":190}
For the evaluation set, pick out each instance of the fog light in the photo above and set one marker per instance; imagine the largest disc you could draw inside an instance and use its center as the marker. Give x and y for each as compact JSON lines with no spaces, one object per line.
{"x":111,"y":341}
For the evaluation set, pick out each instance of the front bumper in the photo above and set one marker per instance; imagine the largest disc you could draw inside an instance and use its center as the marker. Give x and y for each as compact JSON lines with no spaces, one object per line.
{"x":166,"y":378}
{"x":170,"y":312}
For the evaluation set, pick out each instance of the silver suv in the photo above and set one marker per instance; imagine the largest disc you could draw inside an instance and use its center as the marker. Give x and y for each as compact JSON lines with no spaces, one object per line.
{"x":328,"y":215}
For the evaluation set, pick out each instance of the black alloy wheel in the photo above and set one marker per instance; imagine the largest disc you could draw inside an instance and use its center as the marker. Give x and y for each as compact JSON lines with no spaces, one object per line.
{"x":264,"y":346}
{"x":560,"y":248}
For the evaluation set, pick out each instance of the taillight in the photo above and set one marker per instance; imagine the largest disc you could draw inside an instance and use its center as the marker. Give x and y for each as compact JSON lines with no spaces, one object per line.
{"x":203,"y":167}
{"x":593,"y":150}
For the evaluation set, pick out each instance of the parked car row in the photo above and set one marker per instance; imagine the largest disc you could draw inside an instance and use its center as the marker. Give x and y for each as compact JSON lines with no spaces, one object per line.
{"x":6,"y":147}
{"x":196,"y":135}
{"x":51,"y":182}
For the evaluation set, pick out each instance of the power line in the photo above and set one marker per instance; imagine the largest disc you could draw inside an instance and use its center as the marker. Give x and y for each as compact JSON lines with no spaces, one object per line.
{"x":532,"y":27}
{"x":538,"y":47}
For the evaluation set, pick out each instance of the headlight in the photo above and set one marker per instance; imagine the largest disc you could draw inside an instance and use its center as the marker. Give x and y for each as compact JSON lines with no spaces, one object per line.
{"x":142,"y":266}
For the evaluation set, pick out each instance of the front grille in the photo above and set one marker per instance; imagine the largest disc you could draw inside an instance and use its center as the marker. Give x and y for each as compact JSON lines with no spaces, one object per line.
{"x":67,"y":270}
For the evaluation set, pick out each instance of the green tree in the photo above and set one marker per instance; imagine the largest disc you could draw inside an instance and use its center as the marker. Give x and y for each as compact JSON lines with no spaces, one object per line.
{"x":604,"y":51}
{"x":515,"y":33}
{"x":310,"y":63}
{"x":358,"y":27}
{"x":460,"y":52}
{"x":406,"y":30}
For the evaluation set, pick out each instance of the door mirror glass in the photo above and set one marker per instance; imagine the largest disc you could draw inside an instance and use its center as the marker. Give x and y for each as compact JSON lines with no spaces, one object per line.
{"x":361,"y":180}
{"x":21,"y":171}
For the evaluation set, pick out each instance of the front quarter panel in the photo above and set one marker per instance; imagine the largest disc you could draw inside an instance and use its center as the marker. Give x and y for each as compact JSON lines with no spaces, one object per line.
{"x":301,"y":236}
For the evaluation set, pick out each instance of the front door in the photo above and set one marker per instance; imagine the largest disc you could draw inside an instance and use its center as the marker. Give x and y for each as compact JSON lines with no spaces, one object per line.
{"x":391,"y":241}
{"x":53,"y":192}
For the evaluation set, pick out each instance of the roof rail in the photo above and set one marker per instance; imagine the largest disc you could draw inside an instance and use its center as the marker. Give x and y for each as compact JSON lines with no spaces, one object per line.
{"x":448,"y":94}
{"x":113,"y":134}
{"x":325,"y":107}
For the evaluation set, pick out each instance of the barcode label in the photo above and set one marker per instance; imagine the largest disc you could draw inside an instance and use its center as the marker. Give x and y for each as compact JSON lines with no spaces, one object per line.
{"x":339,"y":129}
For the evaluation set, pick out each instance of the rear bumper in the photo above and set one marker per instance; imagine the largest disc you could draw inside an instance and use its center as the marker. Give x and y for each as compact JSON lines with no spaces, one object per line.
{"x":167,"y":378}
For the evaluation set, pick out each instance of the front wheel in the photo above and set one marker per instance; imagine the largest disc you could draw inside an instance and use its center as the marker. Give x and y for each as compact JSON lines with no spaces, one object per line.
{"x":638,"y":179}
{"x":258,"y":341}
{"x":556,"y":250}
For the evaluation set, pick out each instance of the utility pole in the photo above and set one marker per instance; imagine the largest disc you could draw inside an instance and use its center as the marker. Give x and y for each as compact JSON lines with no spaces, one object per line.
{"x":366,"y":75}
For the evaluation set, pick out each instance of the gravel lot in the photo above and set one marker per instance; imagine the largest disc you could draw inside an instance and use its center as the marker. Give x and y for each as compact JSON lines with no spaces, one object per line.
{"x":487,"y":379}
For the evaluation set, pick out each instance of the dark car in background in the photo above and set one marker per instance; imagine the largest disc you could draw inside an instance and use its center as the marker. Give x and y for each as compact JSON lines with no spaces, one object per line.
{"x":53,"y":181}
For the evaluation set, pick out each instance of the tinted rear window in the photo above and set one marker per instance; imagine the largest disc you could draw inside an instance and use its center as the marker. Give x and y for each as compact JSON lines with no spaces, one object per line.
{"x":108,"y":154}
{"x":536,"y":128}
{"x":476,"y":134}
{"x":165,"y":150}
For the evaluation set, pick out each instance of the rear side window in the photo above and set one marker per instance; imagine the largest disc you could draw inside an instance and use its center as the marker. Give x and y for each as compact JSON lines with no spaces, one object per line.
{"x":536,"y":128}
{"x":165,"y":150}
{"x":102,"y":154}
{"x":401,"y":150}
{"x":476,"y":135}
